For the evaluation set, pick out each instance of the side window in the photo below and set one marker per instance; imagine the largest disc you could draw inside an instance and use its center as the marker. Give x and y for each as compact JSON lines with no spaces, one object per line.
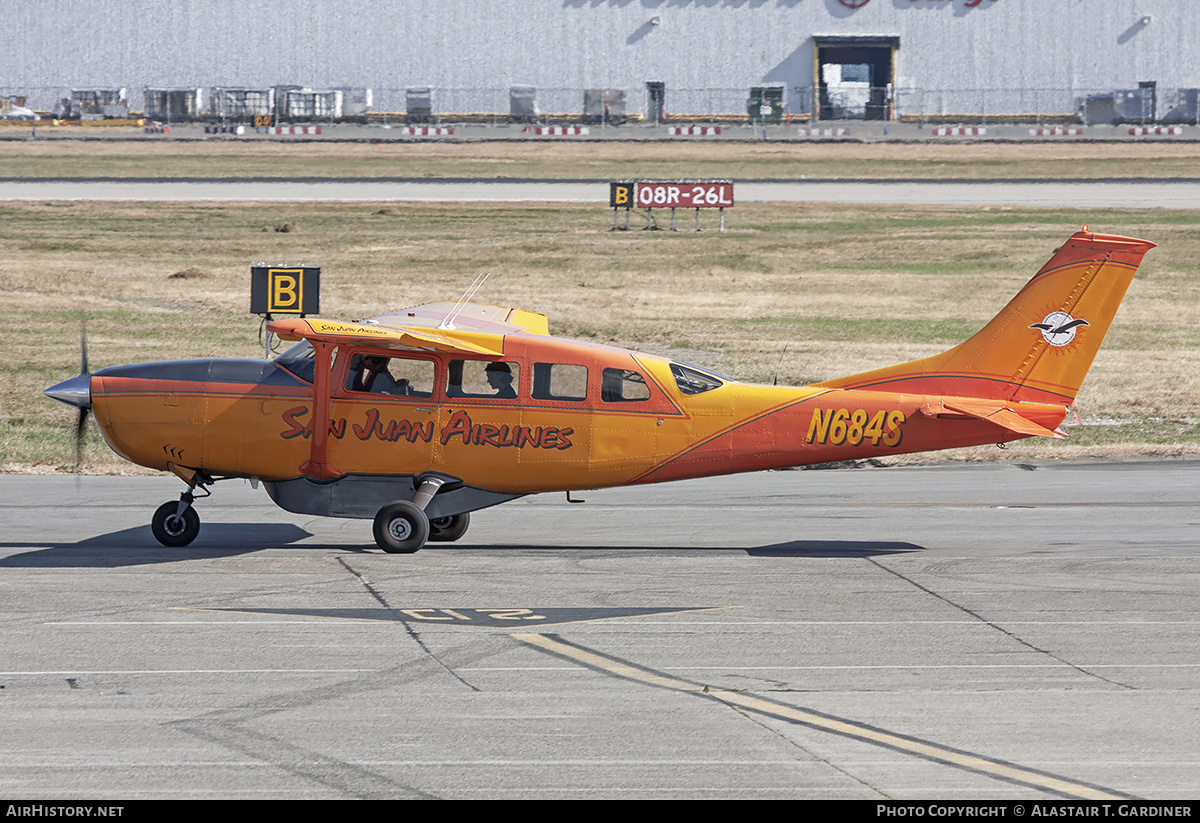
{"x":396,"y":376}
{"x":623,"y":386}
{"x":559,"y":381}
{"x":483,"y":378}
{"x":691,"y":381}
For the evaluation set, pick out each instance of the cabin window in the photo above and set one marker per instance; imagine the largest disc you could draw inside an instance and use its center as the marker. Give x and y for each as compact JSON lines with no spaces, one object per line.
{"x":559,"y":381}
{"x":300,"y":360}
{"x":691,"y":381}
{"x":395,"y":376}
{"x":484,"y":378}
{"x":623,"y":386}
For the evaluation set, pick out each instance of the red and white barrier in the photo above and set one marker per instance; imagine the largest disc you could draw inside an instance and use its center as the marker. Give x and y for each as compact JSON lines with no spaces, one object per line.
{"x":224,"y":129}
{"x":693,"y":131}
{"x":1055,"y":132}
{"x":960,"y":131}
{"x":556,"y":131}
{"x":823,"y":132}
{"x":1140,"y":131}
{"x":428,"y":131}
{"x":293,"y":130}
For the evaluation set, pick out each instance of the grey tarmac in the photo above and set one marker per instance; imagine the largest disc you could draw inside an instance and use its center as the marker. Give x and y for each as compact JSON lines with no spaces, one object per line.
{"x":951,"y":632}
{"x":1092,"y":194}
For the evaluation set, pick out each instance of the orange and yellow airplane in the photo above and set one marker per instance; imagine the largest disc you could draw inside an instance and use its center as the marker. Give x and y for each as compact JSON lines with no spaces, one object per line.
{"x":418,"y":417}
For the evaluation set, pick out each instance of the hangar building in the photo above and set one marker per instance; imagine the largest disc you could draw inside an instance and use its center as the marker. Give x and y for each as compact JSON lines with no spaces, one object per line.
{"x":678,"y":58}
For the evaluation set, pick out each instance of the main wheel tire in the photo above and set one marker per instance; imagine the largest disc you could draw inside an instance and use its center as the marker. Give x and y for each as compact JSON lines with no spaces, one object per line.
{"x":449,"y":529}
{"x":172,"y":529}
{"x":401,"y":528}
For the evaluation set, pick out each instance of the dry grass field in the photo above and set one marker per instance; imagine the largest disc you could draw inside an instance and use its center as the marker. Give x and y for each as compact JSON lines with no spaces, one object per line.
{"x":791,"y":292}
{"x":598,"y":160}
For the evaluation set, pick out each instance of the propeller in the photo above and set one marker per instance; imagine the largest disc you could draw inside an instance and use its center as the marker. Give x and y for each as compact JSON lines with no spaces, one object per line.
{"x":77,"y":391}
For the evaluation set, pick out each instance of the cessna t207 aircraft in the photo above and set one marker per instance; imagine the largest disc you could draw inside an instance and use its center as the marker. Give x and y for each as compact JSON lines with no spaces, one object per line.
{"x":418,"y":417}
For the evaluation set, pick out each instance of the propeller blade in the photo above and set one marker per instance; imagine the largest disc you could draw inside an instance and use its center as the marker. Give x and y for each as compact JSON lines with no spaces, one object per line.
{"x":83,"y":368}
{"x":80,"y":430}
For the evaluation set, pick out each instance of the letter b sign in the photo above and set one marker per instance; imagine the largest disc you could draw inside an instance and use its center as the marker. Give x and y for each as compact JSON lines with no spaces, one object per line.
{"x":285,"y":290}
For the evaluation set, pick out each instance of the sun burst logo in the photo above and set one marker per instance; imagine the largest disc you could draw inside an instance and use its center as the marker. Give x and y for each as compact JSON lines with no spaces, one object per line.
{"x":1058,"y":329}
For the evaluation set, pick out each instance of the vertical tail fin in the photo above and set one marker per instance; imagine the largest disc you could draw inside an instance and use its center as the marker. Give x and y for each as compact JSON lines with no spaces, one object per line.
{"x":1040,"y":347}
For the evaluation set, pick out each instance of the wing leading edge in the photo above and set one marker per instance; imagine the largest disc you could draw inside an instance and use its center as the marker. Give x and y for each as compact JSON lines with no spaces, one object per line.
{"x":471,"y":329}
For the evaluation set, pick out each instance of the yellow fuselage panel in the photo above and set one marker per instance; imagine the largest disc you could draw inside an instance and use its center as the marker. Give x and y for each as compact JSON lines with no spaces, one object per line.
{"x":527,"y":445}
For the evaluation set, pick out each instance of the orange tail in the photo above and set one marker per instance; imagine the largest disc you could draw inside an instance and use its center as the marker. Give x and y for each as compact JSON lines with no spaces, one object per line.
{"x":1040,"y":347}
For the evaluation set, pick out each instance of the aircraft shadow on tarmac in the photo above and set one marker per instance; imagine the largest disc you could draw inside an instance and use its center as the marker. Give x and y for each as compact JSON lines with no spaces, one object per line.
{"x":136,"y":546}
{"x":835,"y":548}
{"x":792,"y":548}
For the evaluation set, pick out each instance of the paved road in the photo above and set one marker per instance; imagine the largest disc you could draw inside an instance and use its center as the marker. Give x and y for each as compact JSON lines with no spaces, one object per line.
{"x":951,"y":632}
{"x":1093,"y":194}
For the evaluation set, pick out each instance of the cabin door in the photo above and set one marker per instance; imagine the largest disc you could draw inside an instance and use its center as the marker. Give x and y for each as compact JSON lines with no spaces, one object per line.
{"x":383,"y":413}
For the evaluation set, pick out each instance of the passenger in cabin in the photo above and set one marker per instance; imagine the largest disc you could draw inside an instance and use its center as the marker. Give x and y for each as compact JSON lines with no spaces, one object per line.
{"x":500,"y":378}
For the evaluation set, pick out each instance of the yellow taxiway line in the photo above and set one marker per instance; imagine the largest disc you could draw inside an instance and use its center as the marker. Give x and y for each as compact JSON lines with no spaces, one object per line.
{"x":807,"y":717}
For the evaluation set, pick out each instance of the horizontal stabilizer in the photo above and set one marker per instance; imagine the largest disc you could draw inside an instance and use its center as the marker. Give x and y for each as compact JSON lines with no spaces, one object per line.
{"x":993,"y":412}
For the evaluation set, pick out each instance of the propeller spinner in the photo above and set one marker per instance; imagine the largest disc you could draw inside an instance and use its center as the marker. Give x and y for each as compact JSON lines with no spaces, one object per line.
{"x":77,"y":391}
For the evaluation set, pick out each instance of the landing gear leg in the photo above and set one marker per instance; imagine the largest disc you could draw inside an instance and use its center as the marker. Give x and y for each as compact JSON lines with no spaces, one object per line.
{"x":176,"y":524}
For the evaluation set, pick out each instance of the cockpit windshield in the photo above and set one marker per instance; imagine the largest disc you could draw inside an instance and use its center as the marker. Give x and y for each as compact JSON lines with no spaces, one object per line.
{"x":694,"y":381}
{"x":300,"y":360}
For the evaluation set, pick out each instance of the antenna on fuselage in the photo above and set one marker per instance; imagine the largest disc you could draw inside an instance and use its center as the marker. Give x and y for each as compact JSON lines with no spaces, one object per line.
{"x":448,"y":322}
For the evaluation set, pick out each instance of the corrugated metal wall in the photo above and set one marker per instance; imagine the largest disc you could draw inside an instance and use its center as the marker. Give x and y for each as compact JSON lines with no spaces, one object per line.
{"x":471,"y":51}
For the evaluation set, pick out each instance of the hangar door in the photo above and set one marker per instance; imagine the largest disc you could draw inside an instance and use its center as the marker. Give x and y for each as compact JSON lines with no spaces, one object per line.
{"x":854,"y":77}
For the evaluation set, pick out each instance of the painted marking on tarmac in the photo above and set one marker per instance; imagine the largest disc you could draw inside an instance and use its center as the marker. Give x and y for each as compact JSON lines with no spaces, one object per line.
{"x":491,"y":618}
{"x":813,"y":719}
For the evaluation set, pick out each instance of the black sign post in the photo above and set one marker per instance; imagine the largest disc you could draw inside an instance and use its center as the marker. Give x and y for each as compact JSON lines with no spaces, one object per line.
{"x":620,"y":196}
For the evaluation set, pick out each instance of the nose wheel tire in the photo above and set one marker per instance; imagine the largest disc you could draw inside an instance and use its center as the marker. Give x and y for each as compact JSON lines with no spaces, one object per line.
{"x":449,"y":529}
{"x":401,"y":528}
{"x":173,"y":529}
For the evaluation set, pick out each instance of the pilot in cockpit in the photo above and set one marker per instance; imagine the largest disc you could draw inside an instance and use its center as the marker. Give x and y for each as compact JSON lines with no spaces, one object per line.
{"x":373,"y":376}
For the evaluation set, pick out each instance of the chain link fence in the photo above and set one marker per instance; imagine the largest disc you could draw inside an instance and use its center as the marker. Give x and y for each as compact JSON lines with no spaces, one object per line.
{"x":1145,"y":103}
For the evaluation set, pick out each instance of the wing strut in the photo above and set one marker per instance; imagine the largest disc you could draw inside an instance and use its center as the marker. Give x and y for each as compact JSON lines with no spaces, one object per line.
{"x":317,"y":466}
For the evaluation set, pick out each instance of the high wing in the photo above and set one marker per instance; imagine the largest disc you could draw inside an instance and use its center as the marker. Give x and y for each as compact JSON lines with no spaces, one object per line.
{"x":469,"y":329}
{"x":472,"y":316}
{"x":406,"y":339}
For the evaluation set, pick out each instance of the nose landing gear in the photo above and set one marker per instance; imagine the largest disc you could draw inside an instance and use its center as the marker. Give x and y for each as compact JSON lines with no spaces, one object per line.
{"x":176,"y":524}
{"x":173,"y":527}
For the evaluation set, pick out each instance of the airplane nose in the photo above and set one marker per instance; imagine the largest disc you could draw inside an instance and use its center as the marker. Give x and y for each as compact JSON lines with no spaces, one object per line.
{"x":75,"y":392}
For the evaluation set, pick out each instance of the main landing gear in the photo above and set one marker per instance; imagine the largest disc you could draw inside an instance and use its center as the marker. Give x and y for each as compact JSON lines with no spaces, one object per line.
{"x":402,"y":527}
